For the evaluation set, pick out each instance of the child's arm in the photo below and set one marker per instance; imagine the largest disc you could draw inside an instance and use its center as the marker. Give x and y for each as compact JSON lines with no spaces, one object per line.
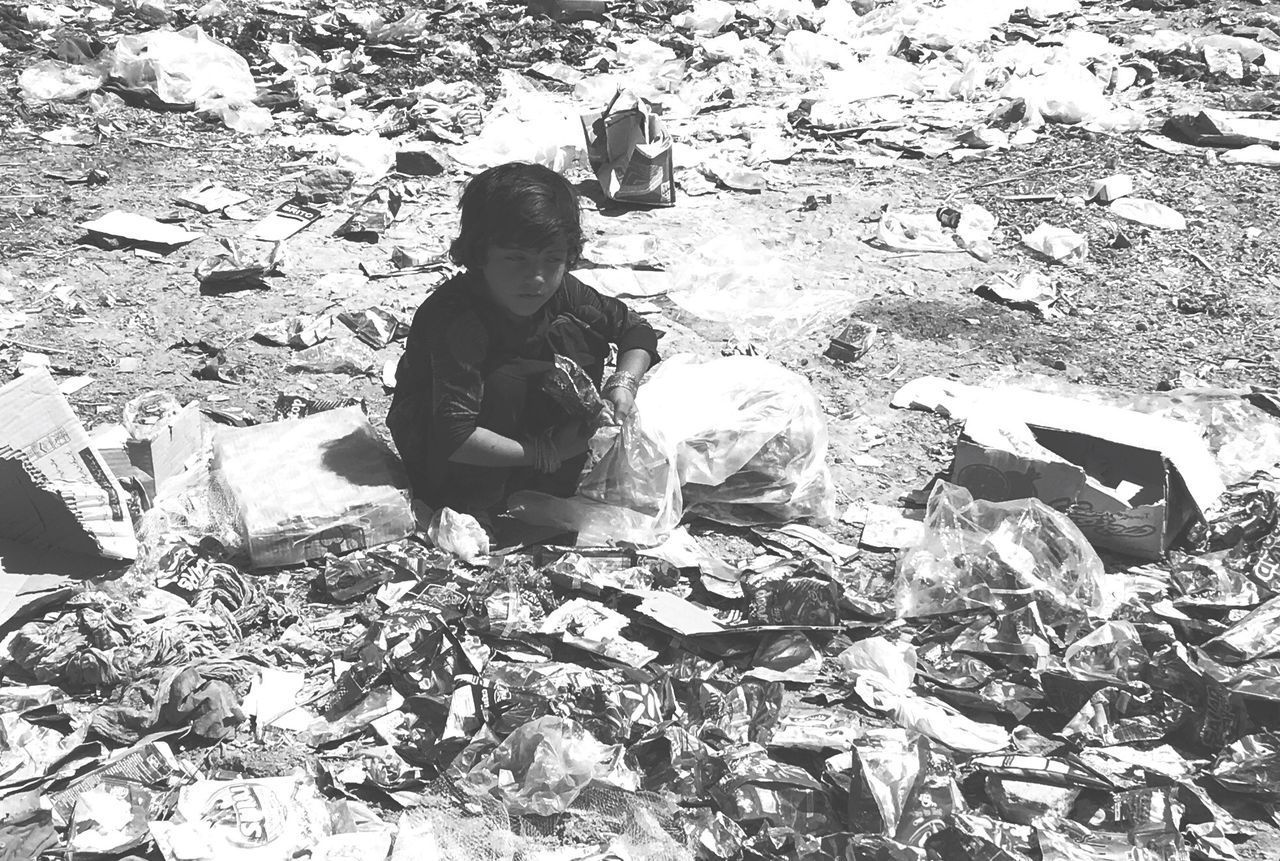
{"x":620,"y":389}
{"x":488,"y":448}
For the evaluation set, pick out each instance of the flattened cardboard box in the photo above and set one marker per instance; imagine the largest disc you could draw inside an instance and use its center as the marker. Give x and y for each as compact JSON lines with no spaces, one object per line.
{"x":305,"y":487}
{"x":56,"y":491}
{"x":1131,"y":482}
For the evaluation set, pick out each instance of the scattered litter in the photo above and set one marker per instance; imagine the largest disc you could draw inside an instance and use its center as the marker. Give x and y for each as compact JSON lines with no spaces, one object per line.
{"x":1110,"y":189}
{"x":1058,"y":244}
{"x":285,"y":220}
{"x":129,"y":227}
{"x":1148,"y":212}
{"x":1031,"y":291}
{"x":210,"y":197}
{"x":235,"y":268}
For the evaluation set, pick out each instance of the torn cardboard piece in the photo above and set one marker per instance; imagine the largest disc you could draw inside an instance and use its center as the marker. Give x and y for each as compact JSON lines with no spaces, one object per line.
{"x":131,"y":227}
{"x":56,"y":491}
{"x":1131,"y":482}
{"x":285,"y":220}
{"x":310,"y":486}
{"x":630,"y":152}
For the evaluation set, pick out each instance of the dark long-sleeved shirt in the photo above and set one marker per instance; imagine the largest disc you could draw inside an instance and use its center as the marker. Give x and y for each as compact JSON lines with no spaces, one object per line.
{"x":459,"y":336}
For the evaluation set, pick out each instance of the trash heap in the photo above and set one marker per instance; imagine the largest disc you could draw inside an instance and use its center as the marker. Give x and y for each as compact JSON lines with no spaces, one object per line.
{"x":990,"y":689}
{"x":1063,"y":652}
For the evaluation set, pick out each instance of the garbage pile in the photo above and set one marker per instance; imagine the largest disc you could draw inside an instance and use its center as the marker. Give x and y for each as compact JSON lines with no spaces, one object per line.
{"x":990,"y":689}
{"x":1067,"y":651}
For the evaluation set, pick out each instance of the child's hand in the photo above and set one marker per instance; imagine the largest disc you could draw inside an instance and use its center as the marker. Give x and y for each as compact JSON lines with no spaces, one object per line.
{"x":623,"y":401}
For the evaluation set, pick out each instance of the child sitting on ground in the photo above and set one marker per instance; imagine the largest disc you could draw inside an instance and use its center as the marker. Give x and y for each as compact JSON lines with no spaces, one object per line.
{"x":468,"y":415}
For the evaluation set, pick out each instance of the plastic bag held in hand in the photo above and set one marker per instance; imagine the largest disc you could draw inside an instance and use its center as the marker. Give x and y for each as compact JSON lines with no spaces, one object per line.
{"x":999,"y":555}
{"x":544,"y":765}
{"x":740,"y":440}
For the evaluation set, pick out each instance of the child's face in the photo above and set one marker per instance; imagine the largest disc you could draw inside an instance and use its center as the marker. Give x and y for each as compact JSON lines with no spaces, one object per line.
{"x":521,"y":280}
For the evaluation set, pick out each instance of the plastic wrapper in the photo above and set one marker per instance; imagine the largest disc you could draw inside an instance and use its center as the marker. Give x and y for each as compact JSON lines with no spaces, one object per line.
{"x":880,"y":775}
{"x":883,"y":672}
{"x":244,"y":820}
{"x":1251,"y":765}
{"x":572,"y":390}
{"x":971,"y":837}
{"x":758,"y":789}
{"x":1112,"y":650}
{"x":1255,"y":636}
{"x":786,"y":596}
{"x":999,"y":556}
{"x":544,"y":765}
{"x":739,"y":440}
{"x":186,"y":67}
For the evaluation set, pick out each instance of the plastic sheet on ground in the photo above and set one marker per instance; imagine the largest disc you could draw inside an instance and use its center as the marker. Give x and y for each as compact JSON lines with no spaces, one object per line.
{"x":739,"y":281}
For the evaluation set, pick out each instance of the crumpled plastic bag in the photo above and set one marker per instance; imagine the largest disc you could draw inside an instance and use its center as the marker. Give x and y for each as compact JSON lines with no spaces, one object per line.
{"x":1002,"y":556}
{"x":186,"y":67}
{"x":459,"y":534}
{"x":1058,"y":243}
{"x":884,"y":670}
{"x":740,"y":440}
{"x":54,"y":80}
{"x":527,"y":124}
{"x":545,"y":764}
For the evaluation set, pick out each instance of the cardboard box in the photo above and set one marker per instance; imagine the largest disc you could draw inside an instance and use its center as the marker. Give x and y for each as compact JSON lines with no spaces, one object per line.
{"x":170,"y":446}
{"x":630,"y":152}
{"x":305,"y":487}
{"x":56,"y":491}
{"x":1132,"y":482}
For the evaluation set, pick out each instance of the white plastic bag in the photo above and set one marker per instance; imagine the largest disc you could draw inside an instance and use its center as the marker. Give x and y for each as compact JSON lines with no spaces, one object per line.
{"x":187,"y":67}
{"x":528,"y":124}
{"x":54,"y":80}
{"x":739,"y":440}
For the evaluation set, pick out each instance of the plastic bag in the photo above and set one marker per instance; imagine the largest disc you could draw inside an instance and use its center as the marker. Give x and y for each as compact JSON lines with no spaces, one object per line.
{"x":998,"y":555}
{"x":544,"y":765}
{"x":459,"y":534}
{"x":1058,"y":243}
{"x":736,"y":279}
{"x":187,"y":67}
{"x":740,"y":440}
{"x":341,"y":356}
{"x":54,"y":80}
{"x":527,"y":124}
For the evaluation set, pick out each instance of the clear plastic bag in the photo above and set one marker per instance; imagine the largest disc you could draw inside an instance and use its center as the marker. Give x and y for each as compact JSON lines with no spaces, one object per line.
{"x":544,"y":765}
{"x":187,"y":67}
{"x":740,"y":440}
{"x":998,"y":555}
{"x":736,"y":279}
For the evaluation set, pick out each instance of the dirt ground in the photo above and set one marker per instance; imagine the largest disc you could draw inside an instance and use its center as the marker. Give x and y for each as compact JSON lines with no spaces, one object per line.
{"x":1201,"y":304}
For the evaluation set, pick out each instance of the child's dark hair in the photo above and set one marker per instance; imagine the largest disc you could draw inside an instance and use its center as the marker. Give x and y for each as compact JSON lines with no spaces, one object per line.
{"x":517,"y":205}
